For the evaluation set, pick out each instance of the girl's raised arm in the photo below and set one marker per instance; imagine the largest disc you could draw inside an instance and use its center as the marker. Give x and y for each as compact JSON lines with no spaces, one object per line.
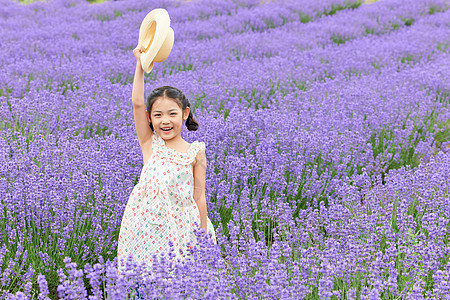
{"x":141,"y":120}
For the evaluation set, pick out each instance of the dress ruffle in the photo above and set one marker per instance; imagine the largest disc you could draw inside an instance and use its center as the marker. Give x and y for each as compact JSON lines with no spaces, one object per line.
{"x":175,"y":156}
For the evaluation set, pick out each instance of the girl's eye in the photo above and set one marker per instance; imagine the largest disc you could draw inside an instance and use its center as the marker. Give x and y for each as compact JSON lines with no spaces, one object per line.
{"x":173,"y":113}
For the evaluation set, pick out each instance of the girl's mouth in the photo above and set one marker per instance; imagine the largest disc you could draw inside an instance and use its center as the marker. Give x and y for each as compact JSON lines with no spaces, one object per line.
{"x":167,"y":130}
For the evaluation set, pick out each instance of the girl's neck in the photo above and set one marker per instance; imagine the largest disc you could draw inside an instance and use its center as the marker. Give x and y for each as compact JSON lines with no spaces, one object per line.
{"x":173,"y":142}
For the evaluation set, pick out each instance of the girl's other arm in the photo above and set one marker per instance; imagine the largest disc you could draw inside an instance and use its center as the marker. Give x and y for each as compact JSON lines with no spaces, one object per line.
{"x":141,"y":120}
{"x":199,"y":187}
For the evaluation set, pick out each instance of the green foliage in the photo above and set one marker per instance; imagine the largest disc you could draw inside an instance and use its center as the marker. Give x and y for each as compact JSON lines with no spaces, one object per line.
{"x":442,"y":47}
{"x":31,"y":129}
{"x":269,"y":23}
{"x":89,"y":131}
{"x":338,"y":39}
{"x":406,"y":59}
{"x":43,"y":235}
{"x":173,"y":69}
{"x":383,"y":142}
{"x":238,"y":54}
{"x":226,"y":215}
{"x":107,"y":17}
{"x":300,"y":84}
{"x":121,"y":78}
{"x":376,"y":66}
{"x":6,"y":92}
{"x":304,"y":18}
{"x":434,"y":9}
{"x":408,"y":21}
{"x":368,"y":31}
{"x":27,"y":1}
{"x":67,"y":84}
{"x":117,"y":14}
{"x":337,"y":7}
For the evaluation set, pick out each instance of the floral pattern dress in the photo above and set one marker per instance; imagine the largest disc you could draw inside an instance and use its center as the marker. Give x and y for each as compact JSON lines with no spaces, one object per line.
{"x":161,"y":207}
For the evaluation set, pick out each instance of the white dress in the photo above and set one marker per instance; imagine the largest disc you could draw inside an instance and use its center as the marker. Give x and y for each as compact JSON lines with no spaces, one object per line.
{"x":161,"y":206}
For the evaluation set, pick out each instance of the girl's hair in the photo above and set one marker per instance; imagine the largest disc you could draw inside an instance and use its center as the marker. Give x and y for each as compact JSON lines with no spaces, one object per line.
{"x":178,"y":96}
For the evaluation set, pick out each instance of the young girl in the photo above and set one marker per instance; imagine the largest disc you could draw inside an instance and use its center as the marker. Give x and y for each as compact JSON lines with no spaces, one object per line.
{"x":169,"y":200}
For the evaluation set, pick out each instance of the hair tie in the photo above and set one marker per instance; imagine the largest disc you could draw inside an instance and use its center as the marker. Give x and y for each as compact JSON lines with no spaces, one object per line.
{"x":191,"y":123}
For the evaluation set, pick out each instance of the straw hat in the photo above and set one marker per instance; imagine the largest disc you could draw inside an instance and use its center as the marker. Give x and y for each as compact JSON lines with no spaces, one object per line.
{"x":157,"y":38}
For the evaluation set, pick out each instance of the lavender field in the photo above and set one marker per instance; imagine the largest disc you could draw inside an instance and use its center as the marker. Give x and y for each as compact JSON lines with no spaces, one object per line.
{"x":327,"y":132}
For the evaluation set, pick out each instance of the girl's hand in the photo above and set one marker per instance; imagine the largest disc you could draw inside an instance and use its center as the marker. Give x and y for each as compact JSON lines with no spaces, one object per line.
{"x":138,"y":51}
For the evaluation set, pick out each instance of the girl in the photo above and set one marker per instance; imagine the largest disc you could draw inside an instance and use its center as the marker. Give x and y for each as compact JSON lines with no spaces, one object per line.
{"x":169,"y":200}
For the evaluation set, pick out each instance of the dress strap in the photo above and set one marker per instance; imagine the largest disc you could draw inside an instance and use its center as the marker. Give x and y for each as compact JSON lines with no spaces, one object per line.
{"x":157,"y":141}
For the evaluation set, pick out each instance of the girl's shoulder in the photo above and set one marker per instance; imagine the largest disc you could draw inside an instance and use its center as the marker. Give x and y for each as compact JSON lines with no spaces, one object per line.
{"x":198,"y":152}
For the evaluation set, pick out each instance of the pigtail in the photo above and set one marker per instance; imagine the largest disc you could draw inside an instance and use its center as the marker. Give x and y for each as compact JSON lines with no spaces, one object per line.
{"x":191,"y":123}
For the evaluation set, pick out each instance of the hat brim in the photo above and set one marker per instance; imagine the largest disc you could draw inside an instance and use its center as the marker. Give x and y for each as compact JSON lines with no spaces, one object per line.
{"x":152,"y":35}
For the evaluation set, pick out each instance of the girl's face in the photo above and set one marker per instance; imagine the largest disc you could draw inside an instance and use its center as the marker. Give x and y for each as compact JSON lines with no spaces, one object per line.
{"x":167,"y":117}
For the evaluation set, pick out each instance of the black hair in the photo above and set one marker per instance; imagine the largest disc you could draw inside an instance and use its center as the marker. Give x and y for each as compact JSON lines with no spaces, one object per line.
{"x":178,"y":96}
